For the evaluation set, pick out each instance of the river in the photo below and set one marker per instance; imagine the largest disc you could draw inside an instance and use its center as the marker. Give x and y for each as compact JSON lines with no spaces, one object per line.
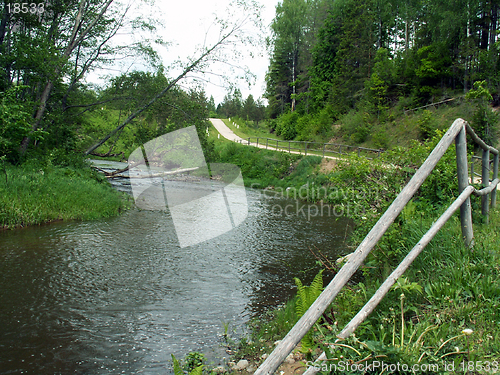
{"x":120,"y":295}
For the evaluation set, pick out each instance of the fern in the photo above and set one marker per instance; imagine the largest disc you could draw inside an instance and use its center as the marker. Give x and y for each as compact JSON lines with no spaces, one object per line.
{"x":177,"y":366}
{"x":178,"y":369}
{"x":306,"y":295}
{"x":197,"y":371}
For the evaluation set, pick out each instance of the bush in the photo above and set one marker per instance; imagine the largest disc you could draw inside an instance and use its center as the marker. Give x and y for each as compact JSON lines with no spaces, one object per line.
{"x":427,"y":125}
{"x":287,"y":125}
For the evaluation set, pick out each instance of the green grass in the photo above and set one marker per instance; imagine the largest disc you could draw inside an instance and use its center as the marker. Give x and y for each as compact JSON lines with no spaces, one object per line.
{"x":449,"y":287}
{"x":398,"y":128}
{"x":32,"y":195}
{"x":249,"y":129}
{"x":264,"y":331}
{"x":459,"y":288}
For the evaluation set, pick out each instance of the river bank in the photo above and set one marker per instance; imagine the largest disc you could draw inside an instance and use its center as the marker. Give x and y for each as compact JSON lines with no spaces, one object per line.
{"x":445,"y":309}
{"x":33,"y":194}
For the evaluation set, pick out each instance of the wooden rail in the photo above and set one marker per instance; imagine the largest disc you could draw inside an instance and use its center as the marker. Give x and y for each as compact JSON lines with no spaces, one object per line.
{"x":305,"y":146}
{"x":430,"y":105}
{"x":457,"y":132}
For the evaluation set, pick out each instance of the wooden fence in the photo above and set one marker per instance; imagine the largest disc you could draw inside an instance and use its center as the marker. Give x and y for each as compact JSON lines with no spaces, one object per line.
{"x":457,"y":133}
{"x":313,"y":148}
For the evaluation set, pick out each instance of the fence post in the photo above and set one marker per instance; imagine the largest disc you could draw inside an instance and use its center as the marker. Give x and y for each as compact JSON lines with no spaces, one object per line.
{"x":324,"y":145}
{"x":257,"y":142}
{"x":485,"y":177}
{"x":358,"y":152}
{"x":463,"y":182}
{"x":305,"y":148}
{"x":289,"y":147}
{"x":472,"y":170}
{"x":267,"y":140}
{"x":340,"y":149}
{"x":495,"y":175}
{"x":248,"y":141}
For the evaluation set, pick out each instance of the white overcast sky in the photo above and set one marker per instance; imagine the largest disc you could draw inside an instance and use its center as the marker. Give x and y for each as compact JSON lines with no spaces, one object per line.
{"x":185,"y":27}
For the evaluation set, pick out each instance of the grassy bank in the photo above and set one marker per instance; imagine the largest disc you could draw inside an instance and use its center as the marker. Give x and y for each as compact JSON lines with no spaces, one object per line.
{"x":449,"y":291}
{"x":445,"y":311}
{"x":32,"y":194}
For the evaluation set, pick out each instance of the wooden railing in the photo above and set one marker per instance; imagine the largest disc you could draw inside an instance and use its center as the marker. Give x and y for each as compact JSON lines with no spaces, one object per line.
{"x":457,"y":132}
{"x":431,"y":105}
{"x":313,"y":148}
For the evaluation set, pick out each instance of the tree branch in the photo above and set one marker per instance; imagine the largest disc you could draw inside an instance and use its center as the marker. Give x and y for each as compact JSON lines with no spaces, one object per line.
{"x":164,"y":91}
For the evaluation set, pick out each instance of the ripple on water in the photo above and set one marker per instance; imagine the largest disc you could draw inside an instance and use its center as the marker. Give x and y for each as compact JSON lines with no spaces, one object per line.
{"x":119,"y":296}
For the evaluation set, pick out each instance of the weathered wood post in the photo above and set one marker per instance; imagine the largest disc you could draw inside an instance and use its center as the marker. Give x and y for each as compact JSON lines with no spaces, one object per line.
{"x":257,"y":142}
{"x":472,"y":170}
{"x":305,"y":148}
{"x":289,"y":147}
{"x":358,"y":152}
{"x":324,"y":146}
{"x":249,"y":141}
{"x":485,"y":177}
{"x":340,"y":149}
{"x":495,"y":176}
{"x":463,"y":182}
{"x":267,"y":141}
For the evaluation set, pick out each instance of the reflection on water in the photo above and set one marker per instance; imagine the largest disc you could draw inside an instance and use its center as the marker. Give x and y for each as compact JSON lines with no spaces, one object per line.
{"x":119,"y":296}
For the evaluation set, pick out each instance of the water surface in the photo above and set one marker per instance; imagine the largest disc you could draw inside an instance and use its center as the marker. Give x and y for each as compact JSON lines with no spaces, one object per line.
{"x":120,"y":295}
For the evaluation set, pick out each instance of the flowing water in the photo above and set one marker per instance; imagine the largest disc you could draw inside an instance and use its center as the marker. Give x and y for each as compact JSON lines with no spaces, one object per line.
{"x":121,"y":295}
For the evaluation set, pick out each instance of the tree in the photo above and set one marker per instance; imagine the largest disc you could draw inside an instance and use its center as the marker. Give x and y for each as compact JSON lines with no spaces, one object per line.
{"x":344,"y":54}
{"x":288,"y":29}
{"x":50,"y":50}
{"x":253,"y":110}
{"x":484,"y":120}
{"x":230,"y":34}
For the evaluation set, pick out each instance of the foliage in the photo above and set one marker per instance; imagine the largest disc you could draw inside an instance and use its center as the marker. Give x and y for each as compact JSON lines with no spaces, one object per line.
{"x":449,"y":288}
{"x":259,"y":167}
{"x":371,"y":54}
{"x":287,"y":125}
{"x":48,"y":53}
{"x":265,"y":329}
{"x":426,"y":125}
{"x":129,"y":92}
{"x":15,"y":120}
{"x":249,"y":110}
{"x":453,"y":289}
{"x":193,"y":360}
{"x":484,"y":121}
{"x":306,"y":296}
{"x":178,"y":369}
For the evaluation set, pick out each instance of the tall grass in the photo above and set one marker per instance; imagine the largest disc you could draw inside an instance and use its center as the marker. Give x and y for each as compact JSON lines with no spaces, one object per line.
{"x":32,"y":195}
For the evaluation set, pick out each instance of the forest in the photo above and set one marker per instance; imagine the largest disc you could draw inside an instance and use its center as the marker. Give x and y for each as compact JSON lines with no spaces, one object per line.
{"x":329,"y":58}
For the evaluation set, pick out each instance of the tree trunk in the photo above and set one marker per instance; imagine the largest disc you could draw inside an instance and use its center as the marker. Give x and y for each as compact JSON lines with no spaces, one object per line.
{"x":493,"y":25}
{"x":73,"y":42}
{"x":3,"y":24}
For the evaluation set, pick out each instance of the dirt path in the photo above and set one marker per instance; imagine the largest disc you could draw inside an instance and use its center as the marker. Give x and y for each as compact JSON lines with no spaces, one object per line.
{"x":229,"y":134}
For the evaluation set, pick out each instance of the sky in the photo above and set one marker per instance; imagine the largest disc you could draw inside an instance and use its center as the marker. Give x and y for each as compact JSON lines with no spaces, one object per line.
{"x":187,"y":25}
